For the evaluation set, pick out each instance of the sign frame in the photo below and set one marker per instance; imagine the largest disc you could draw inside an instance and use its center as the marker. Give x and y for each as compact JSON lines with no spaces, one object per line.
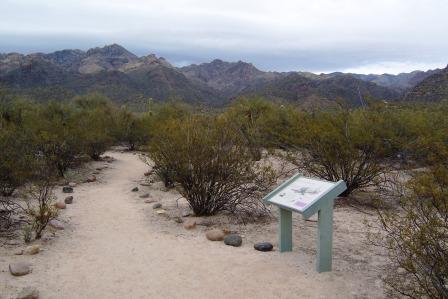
{"x":323,"y":206}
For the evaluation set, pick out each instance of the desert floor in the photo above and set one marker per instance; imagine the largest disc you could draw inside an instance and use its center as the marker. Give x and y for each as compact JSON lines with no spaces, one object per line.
{"x":116,"y":246}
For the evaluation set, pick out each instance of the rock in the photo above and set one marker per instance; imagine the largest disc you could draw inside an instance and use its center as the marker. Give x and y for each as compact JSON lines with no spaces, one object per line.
{"x":67,"y":189}
{"x":32,"y":249}
{"x":99,"y":168}
{"x":56,"y":224}
{"x":157,"y":205}
{"x":148,"y":173}
{"x":186,"y":213}
{"x":20,"y":268}
{"x":149,"y":201}
{"x":264,"y":246}
{"x":68,"y":200}
{"x":135,"y":189}
{"x":215,"y":235}
{"x":91,"y":179}
{"x":146,"y":195}
{"x":72,"y":184}
{"x":96,"y":172}
{"x":145,"y":184}
{"x":233,"y":240}
{"x":19,"y":252}
{"x":60,"y":205}
{"x":28,"y":293}
{"x":161,"y":211}
{"x":190,"y":224}
{"x":178,"y":220}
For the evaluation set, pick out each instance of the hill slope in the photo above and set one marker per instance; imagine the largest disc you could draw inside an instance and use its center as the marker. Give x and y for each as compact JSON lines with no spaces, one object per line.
{"x":432,"y":89}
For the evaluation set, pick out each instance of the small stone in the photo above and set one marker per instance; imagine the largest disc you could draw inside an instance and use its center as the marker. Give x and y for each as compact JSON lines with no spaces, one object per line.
{"x":233,"y":240}
{"x":149,"y":201}
{"x":178,"y":220}
{"x":68,"y":200}
{"x":96,"y":172}
{"x":60,"y":205}
{"x":190,"y":224}
{"x":157,"y":205}
{"x":56,"y":224}
{"x":135,"y":189}
{"x":20,"y":268}
{"x":215,"y":235}
{"x":264,"y":246}
{"x":161,"y":211}
{"x":67,"y":189}
{"x":28,"y":293}
{"x":72,"y":184}
{"x":32,"y":249}
{"x":148,"y":173}
{"x":145,"y":184}
{"x":19,"y":252}
{"x":146,"y":195}
{"x":99,"y":168}
{"x":91,"y":179}
{"x":186,"y":213}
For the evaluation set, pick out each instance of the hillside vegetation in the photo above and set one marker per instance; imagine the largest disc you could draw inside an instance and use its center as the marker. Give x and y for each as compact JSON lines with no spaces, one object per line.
{"x":219,"y":160}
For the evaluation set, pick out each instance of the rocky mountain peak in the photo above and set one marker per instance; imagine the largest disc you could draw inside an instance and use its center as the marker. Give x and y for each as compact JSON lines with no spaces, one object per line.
{"x":113,"y":50}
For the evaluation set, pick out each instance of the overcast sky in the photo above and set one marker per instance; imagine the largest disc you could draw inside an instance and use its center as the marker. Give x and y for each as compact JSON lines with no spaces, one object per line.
{"x":366,"y":36}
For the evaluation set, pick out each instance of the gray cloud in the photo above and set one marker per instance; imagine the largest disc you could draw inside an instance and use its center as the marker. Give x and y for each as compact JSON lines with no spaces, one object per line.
{"x":319,"y":35}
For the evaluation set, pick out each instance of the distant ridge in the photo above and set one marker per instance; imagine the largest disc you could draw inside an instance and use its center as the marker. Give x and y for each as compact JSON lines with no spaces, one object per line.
{"x":127,"y":78}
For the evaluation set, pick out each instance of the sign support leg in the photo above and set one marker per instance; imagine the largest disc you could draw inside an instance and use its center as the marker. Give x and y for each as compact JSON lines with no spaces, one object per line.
{"x":285,"y":230}
{"x":325,"y":238}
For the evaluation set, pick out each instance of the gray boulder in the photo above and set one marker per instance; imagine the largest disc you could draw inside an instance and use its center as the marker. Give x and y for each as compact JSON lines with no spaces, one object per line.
{"x":20,"y":268}
{"x":263,"y":246}
{"x":68,"y":200}
{"x":233,"y":240}
{"x":67,"y":189}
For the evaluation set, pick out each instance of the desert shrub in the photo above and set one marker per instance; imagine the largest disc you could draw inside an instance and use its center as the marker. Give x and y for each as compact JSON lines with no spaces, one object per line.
{"x":248,"y":115}
{"x":14,"y":158}
{"x":55,"y":135}
{"x":416,"y":237}
{"x":133,"y":129}
{"x":40,"y":197}
{"x":27,"y":233}
{"x":342,"y":146}
{"x":212,"y":164}
{"x":95,"y":124}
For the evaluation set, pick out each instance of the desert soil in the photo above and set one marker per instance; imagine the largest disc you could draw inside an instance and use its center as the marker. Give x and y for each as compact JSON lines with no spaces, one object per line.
{"x":116,"y":246}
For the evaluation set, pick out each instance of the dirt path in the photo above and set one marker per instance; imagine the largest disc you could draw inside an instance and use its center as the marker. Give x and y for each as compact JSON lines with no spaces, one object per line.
{"x":115,"y":247}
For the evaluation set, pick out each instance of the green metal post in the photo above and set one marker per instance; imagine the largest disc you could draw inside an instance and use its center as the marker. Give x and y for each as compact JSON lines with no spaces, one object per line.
{"x":285,"y":230}
{"x":325,"y":238}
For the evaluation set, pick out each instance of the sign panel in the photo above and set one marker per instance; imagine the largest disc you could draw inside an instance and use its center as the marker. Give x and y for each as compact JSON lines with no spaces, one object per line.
{"x":300,"y":193}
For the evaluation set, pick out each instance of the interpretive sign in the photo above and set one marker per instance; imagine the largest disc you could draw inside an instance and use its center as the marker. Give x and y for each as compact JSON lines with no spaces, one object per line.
{"x":307,"y":196}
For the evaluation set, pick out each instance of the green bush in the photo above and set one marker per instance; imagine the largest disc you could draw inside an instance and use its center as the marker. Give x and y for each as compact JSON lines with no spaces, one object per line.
{"x":95,"y":124}
{"x":212,"y":164}
{"x":133,"y":129}
{"x":415,"y":237}
{"x":342,"y":146}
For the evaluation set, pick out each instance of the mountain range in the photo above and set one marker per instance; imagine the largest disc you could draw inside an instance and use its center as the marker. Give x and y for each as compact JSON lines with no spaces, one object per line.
{"x":127,"y":78}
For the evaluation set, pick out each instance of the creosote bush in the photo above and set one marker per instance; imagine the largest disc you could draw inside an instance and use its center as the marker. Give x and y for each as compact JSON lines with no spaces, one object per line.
{"x":415,"y":237}
{"x":209,"y":159}
{"x":342,"y":146}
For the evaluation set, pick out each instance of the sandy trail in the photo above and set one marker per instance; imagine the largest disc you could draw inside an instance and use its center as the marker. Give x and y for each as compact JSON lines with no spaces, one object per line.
{"x":115,"y":247}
